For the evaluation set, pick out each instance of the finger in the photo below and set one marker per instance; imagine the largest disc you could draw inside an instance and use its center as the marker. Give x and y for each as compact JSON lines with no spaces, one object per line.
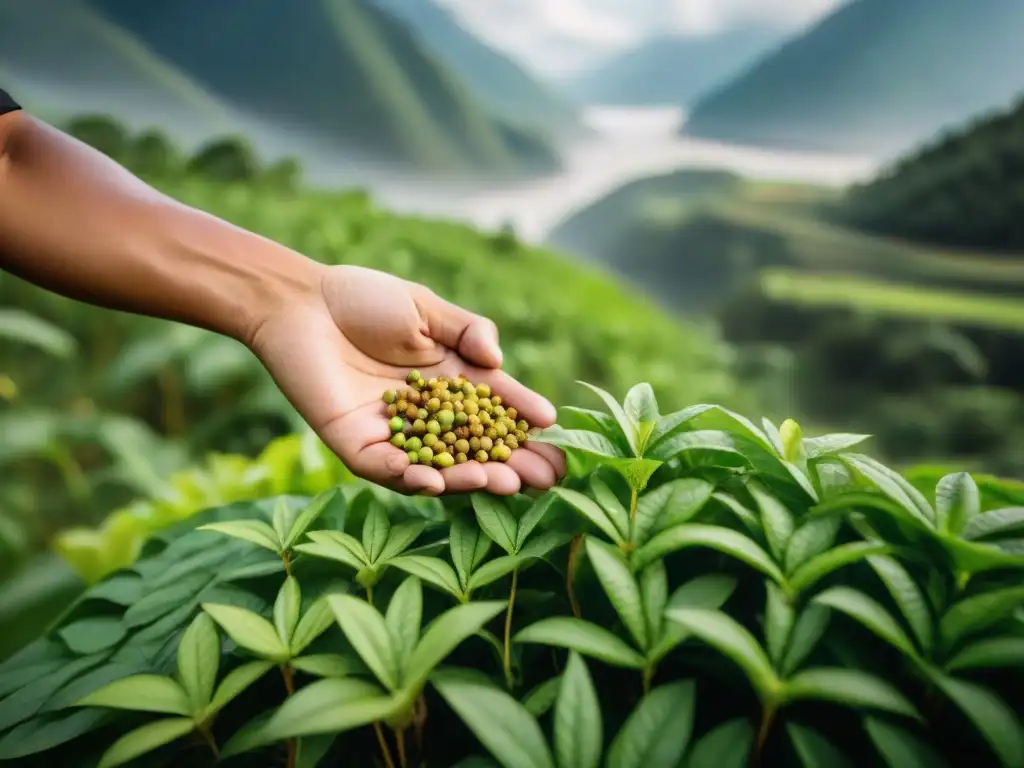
{"x":534,"y":470}
{"x":474,"y":337}
{"x":551,"y":453}
{"x":464,"y":478}
{"x":502,"y":480}
{"x":419,"y":478}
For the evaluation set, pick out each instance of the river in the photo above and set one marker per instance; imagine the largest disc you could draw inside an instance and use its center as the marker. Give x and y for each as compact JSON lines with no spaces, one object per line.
{"x":625,"y":145}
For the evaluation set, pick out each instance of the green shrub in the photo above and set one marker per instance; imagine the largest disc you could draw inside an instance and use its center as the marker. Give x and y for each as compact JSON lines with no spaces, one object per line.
{"x":699,"y":591}
{"x":101,"y":132}
{"x":228,"y":159}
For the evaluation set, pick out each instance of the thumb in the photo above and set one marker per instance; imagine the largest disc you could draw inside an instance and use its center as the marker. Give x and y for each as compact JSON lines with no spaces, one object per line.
{"x":474,"y":337}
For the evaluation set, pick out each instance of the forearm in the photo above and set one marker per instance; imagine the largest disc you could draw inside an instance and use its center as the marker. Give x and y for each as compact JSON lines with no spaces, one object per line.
{"x":76,"y":223}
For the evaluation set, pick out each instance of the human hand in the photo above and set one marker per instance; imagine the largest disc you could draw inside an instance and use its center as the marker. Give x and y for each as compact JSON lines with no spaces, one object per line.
{"x":335,"y":352}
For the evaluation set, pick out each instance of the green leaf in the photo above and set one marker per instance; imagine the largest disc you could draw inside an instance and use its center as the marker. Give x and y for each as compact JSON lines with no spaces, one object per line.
{"x":727,"y":746}
{"x":310,"y":750}
{"x":811,"y":539}
{"x":957,"y":501}
{"x":672,"y":503}
{"x":22,"y":327}
{"x":668,"y":425}
{"x":314,"y":622}
{"x":979,"y":612}
{"x":994,"y":522}
{"x":250,"y":631}
{"x":445,"y":634}
{"x":627,"y":426}
{"x":810,"y":626}
{"x":145,"y":739}
{"x":468,"y":545}
{"x":579,"y":733}
{"x":199,"y":660}
{"x":308,"y":515}
{"x":92,"y":634}
{"x":324,"y":547}
{"x":584,"y":637}
{"x":592,"y":512}
{"x":714,"y":537}
{"x":326,"y":706}
{"x":621,"y":589}
{"x":641,"y":408}
{"x":369,"y":635}
{"x":709,"y":447}
{"x":775,"y":518}
{"x":328,"y":665}
{"x":542,"y":697}
{"x":404,"y":616}
{"x":235,"y":682}
{"x":870,"y":613}
{"x":142,"y":693}
{"x":495,"y":519}
{"x":732,"y":640}
{"x":990,"y":653}
{"x":810,"y":573}
{"x":401,"y":538}
{"x":254,"y":531}
{"x":658,"y":731}
{"x":899,"y":747}
{"x":494,"y":569}
{"x":376,"y":529}
{"x":744,"y":515}
{"x":578,"y":439}
{"x":847,"y":686}
{"x":894,"y":486}
{"x":530,"y":519}
{"x":814,"y":750}
{"x":636,"y":472}
{"x":830,"y":445}
{"x":286,"y":610}
{"x":503,"y":725}
{"x":779,"y":617}
{"x":282,"y":519}
{"x":996,"y":722}
{"x":708,"y":591}
{"x":610,"y":505}
{"x":654,"y":594}
{"x":432,"y":570}
{"x":908,"y":597}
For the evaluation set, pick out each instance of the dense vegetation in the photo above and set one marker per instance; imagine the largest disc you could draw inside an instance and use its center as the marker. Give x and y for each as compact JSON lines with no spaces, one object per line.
{"x":103,"y":407}
{"x":873,"y":77}
{"x":701,"y":591}
{"x":965,"y":190}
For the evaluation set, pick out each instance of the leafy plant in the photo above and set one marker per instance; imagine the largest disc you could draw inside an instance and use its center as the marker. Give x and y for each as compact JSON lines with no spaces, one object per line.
{"x":762,"y":596}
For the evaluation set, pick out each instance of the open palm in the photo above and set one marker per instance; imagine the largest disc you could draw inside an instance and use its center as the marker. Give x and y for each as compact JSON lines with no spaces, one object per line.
{"x":334,"y":354}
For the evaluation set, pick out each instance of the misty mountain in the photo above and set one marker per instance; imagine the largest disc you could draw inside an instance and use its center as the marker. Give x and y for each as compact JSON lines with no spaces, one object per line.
{"x":873,"y":77}
{"x":673,"y":69}
{"x":504,"y":87}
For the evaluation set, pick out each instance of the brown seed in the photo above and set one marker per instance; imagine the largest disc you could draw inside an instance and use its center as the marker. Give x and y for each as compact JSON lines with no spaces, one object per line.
{"x":512,"y":413}
{"x":476,"y":430}
{"x":474,"y":444}
{"x":449,"y":438}
{"x":462,"y":433}
{"x":412,"y":412}
{"x":392,"y":411}
{"x":413,"y":397}
{"x":402,"y":404}
{"x":486,"y":443}
{"x":462,"y":446}
{"x":481,"y":456}
{"x":496,"y":400}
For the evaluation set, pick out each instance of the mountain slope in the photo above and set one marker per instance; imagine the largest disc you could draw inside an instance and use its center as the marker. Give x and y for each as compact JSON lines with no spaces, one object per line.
{"x":335,"y":68}
{"x":873,"y":77}
{"x":504,"y":87}
{"x":673,"y":69}
{"x":70,"y":59}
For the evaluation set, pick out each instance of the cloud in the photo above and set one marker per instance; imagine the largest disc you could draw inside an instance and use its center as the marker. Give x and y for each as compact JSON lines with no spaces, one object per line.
{"x":709,"y":16}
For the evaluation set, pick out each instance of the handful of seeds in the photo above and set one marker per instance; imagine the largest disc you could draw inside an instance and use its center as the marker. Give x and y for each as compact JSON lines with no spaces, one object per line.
{"x":444,"y":422}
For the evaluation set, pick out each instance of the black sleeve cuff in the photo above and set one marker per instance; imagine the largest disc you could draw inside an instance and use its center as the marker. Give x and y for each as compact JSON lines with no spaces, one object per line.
{"x":7,"y":104}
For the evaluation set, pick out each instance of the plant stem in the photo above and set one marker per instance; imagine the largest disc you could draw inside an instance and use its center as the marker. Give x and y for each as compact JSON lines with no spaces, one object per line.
{"x":574,"y":547}
{"x":400,"y":738}
{"x":174,"y":400}
{"x":508,"y":628}
{"x":767,"y":718}
{"x":286,"y":557}
{"x":388,"y":760}
{"x":291,"y":753}
{"x":648,"y":677}
{"x":204,"y":731}
{"x":369,"y":595}
{"x":289,"y":685}
{"x":632,"y":504}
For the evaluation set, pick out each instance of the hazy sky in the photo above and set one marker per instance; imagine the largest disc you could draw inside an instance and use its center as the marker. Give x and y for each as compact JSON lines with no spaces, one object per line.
{"x":559,"y":36}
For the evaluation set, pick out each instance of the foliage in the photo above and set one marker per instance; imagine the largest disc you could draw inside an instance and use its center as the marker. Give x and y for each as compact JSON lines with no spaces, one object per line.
{"x":961,"y":190}
{"x":700,"y":590}
{"x":227,"y":160}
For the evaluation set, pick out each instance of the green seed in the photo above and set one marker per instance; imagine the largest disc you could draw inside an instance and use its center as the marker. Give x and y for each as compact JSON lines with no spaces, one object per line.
{"x":430,"y":439}
{"x":461,"y":458}
{"x":512,"y":442}
{"x":444,"y":460}
{"x":413,"y":376}
{"x":433,"y":427}
{"x":398,"y":440}
{"x":497,"y":452}
{"x":396,"y":424}
{"x":462,"y":446}
{"x":521,"y":424}
{"x":413,"y":444}
{"x":500,"y":429}
{"x":486,"y":443}
{"x":482,"y":390}
{"x":461,"y":418}
{"x":433,"y":405}
{"x":474,"y":444}
{"x":426,"y":455}
{"x":449,"y":438}
{"x":414,"y":457}
{"x":446,"y":419}
{"x":423,"y":413}
{"x":390,"y":396}
{"x":512,"y":413}
{"x":481,"y":456}
{"x":520,"y":436}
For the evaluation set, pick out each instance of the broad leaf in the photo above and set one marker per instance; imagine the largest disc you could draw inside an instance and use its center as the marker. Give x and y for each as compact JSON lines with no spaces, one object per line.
{"x":810,"y":540}
{"x":401,"y":538}
{"x":376,"y":529}
{"x":495,"y":519}
{"x":996,"y":722}
{"x":328,"y":665}
{"x":235,"y":682}
{"x":775,"y":518}
{"x":627,"y":426}
{"x":714,"y":537}
{"x":870,"y":613}
{"x":830,"y":445}
{"x":199,"y":660}
{"x":468,"y":545}
{"x":779,"y":617}
{"x":286,"y":609}
{"x":494,"y":569}
{"x":610,"y":505}
{"x":990,"y":653}
{"x":668,"y":425}
{"x":813,"y":571}
{"x":581,"y":440}
{"x":732,"y":640}
{"x":899,"y":747}
{"x":708,"y":591}
{"x":746,"y":516}
{"x":705,"y":447}
{"x":142,"y":693}
{"x":583,"y":636}
{"x":404,"y":617}
{"x":807,"y":631}
{"x":847,"y":686}
{"x":250,"y":631}
{"x":654,"y":594}
{"x":254,"y":531}
{"x":670,"y":504}
{"x":592,"y":512}
{"x":641,"y":408}
{"x":282,"y":519}
{"x":727,"y":746}
{"x":658,"y":731}
{"x":503,"y":725}
{"x":621,"y":589}
{"x":530,"y":519}
{"x":814,"y":750}
{"x":308,"y":515}
{"x":956,"y":501}
{"x":994,"y":522}
{"x":370,"y":637}
{"x":314,"y":622}
{"x":579,"y":733}
{"x":445,"y":634}
{"x":893,"y":485}
{"x":542,"y":697}
{"x":432,"y":570}
{"x":330,"y":550}
{"x":973,"y":614}
{"x":908,"y":597}
{"x":145,"y":739}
